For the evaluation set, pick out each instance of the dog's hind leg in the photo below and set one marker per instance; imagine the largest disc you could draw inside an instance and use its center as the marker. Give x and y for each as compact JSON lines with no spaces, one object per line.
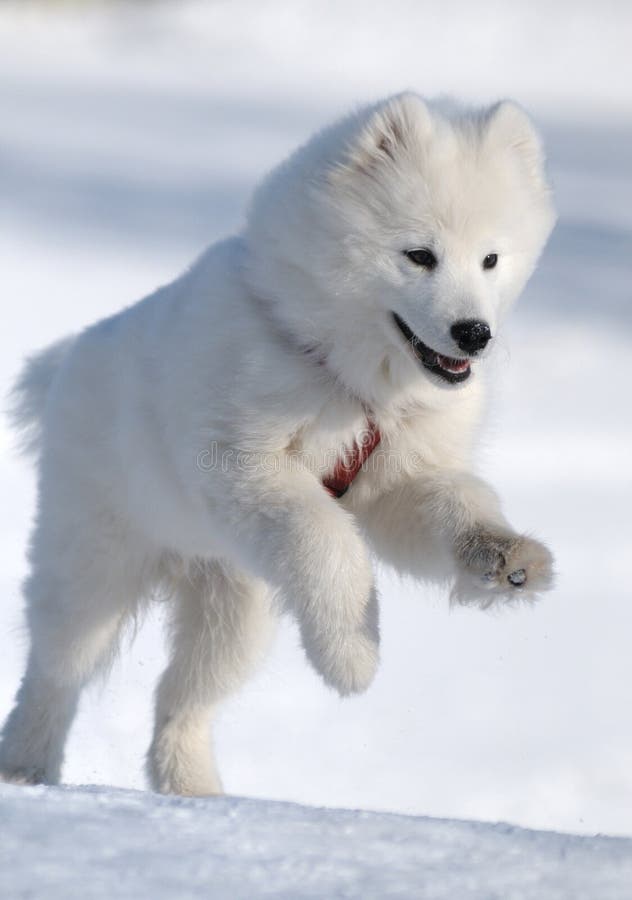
{"x":222,"y":621}
{"x":80,"y":592}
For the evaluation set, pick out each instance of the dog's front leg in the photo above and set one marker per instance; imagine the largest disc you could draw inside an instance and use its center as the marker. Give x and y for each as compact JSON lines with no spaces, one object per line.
{"x":448,"y":523}
{"x":283,"y":526}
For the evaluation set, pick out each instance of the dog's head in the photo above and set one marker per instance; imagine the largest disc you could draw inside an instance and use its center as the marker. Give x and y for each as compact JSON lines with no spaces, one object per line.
{"x":395,"y":240}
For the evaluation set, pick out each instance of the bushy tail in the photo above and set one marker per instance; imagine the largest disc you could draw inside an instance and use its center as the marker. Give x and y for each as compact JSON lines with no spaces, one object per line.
{"x":27,"y":401}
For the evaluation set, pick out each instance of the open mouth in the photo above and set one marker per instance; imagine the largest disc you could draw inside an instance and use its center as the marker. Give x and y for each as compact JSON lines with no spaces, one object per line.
{"x":449,"y":369}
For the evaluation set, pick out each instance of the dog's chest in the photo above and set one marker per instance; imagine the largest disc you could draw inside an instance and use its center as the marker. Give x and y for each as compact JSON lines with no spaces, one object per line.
{"x":357,"y":454}
{"x":335,"y":433}
{"x":343,"y":445}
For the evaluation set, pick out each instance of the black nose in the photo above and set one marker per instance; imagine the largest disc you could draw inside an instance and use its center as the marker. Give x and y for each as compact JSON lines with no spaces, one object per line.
{"x":471,"y":335}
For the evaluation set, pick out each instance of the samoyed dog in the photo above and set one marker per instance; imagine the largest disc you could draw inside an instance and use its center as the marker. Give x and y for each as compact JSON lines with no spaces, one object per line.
{"x":246,"y":438}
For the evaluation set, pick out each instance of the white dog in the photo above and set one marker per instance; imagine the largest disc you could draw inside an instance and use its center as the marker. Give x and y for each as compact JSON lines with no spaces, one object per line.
{"x":305,"y":395}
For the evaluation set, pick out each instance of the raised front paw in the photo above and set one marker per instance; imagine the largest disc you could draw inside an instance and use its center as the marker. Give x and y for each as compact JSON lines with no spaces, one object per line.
{"x":497,"y":566}
{"x":346,"y":657}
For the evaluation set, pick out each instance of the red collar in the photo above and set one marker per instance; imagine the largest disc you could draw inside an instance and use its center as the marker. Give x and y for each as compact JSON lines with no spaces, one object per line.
{"x":349,"y":464}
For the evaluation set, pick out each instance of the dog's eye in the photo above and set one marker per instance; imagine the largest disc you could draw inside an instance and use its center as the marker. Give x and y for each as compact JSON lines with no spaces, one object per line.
{"x":422,"y":257}
{"x":490,"y":260}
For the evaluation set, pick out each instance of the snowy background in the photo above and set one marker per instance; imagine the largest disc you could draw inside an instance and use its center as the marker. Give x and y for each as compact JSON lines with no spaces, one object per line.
{"x":130,"y":137}
{"x":79,"y":843}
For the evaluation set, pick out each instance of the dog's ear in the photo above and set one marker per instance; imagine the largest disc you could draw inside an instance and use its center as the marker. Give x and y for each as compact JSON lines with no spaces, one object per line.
{"x":509,"y":126}
{"x":390,"y":133}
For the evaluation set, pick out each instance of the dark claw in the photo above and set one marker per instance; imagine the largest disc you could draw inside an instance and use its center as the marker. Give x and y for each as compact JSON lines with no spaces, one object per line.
{"x":517,"y":578}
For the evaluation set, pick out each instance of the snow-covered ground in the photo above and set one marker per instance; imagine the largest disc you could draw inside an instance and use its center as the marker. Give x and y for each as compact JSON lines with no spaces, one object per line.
{"x":130,"y":136}
{"x":87,"y":843}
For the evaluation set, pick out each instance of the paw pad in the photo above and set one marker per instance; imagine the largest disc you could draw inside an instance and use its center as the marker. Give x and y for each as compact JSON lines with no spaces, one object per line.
{"x":517,"y":578}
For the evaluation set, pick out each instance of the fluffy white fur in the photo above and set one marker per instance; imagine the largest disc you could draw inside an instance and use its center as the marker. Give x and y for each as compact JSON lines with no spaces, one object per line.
{"x":181,"y":443}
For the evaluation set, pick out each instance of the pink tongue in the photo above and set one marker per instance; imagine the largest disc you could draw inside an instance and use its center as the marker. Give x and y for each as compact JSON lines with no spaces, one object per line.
{"x":452,"y":365}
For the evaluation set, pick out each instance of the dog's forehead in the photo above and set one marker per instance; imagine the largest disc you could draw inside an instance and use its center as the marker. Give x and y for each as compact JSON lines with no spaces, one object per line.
{"x":458,"y":192}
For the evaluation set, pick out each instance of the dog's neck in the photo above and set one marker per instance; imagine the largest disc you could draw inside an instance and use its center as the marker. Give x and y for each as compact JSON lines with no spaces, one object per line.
{"x":313,"y":352}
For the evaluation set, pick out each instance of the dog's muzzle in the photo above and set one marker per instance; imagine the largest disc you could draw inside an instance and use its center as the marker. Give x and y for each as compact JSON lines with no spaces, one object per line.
{"x":448,"y":368}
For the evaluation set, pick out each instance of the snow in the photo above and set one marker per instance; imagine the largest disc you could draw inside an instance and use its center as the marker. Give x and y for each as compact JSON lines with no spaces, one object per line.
{"x":131,"y":136}
{"x":96,"y":842}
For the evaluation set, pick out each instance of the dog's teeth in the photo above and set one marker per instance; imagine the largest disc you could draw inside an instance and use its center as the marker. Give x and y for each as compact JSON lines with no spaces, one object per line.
{"x":452,"y":365}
